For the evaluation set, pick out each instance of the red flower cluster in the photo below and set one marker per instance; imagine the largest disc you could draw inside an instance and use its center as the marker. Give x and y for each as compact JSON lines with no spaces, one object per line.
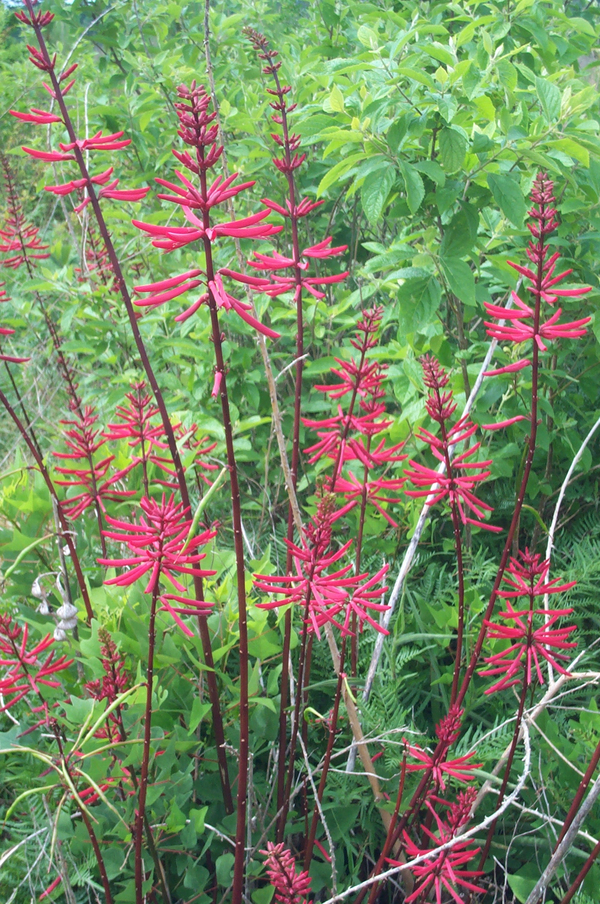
{"x":198,"y":130}
{"x":347,"y":436}
{"x":461,"y":475}
{"x":162,"y":546}
{"x":447,"y":732}
{"x":26,"y":672}
{"x":443,"y":872}
{"x":84,"y":440}
{"x":520,"y":662}
{"x":325,"y":595}
{"x":526,"y":324}
{"x":290,"y":887}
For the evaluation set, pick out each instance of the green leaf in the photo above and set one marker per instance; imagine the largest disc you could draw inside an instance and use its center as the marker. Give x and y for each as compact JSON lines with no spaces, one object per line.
{"x":460,"y":279}
{"x":419,"y":299}
{"x":415,"y":190}
{"x":199,"y":710}
{"x":453,"y":147}
{"x":572,"y":148}
{"x":549,"y":96}
{"x":263,"y":895}
{"x":336,"y":100}
{"x":197,"y":817}
{"x":509,"y":197}
{"x":521,"y":887}
{"x":224,"y":868}
{"x":433,"y":170}
{"x":375,"y":191}
{"x":340,"y":169}
{"x":507,"y":74}
{"x":176,"y":819}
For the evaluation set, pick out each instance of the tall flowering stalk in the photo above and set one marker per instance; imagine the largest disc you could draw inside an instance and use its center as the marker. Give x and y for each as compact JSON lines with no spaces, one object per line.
{"x":348,"y":437}
{"x":60,"y":85}
{"x":288,"y":275}
{"x":456,"y":484}
{"x":197,"y":200}
{"x":529,"y":326}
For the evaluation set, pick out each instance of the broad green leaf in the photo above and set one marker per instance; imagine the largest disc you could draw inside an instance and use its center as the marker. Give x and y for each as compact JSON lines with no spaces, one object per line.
{"x":509,"y":197}
{"x":549,"y":96}
{"x":433,"y":170}
{"x":336,"y":172}
{"x":197,"y":816}
{"x":460,"y":279}
{"x":415,"y":190}
{"x":459,"y":235}
{"x":375,"y":191}
{"x":453,"y":147}
{"x":572,"y":148}
{"x":521,"y":886}
{"x":419,"y":299}
{"x":507,"y":74}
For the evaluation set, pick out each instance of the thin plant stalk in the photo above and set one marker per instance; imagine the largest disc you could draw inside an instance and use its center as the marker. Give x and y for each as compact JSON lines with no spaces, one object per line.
{"x":144,"y":771}
{"x":310,"y":841}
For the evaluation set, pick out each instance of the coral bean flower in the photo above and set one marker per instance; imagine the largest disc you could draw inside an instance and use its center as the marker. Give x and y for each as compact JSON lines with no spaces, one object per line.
{"x":290,"y":887}
{"x":160,"y":545}
{"x":443,"y":872}
{"x":528,"y":645}
{"x":323,"y":594}
{"x":26,"y":672}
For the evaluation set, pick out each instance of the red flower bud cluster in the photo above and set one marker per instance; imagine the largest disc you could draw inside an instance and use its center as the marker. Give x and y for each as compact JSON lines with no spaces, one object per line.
{"x":290,"y":887}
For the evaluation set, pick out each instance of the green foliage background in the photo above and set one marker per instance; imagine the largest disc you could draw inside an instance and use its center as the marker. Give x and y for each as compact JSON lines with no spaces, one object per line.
{"x":425,"y":125}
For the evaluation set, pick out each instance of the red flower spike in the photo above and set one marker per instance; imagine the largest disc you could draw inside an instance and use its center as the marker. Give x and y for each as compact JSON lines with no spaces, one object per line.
{"x":157,"y":543}
{"x":323,"y":593}
{"x":522,"y":319}
{"x":290,"y":887}
{"x":114,"y":681}
{"x":462,"y":475}
{"x":527,"y":577}
{"x":442,"y":873}
{"x":18,"y":238}
{"x":25,"y":670}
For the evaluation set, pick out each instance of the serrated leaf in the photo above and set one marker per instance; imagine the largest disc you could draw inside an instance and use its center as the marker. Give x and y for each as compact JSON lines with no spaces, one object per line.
{"x":549,"y":96}
{"x":459,"y":277}
{"x":375,"y":191}
{"x":509,"y":197}
{"x":453,"y":147}
{"x":415,"y":190}
{"x":433,"y":170}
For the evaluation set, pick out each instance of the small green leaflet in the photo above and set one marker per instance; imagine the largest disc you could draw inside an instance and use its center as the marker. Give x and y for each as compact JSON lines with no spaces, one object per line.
{"x":509,"y":197}
{"x":375,"y":191}
{"x":419,"y":299}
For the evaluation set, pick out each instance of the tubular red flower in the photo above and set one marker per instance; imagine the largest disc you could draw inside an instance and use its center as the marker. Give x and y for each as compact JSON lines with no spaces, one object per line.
{"x":25,"y":671}
{"x":161,"y":545}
